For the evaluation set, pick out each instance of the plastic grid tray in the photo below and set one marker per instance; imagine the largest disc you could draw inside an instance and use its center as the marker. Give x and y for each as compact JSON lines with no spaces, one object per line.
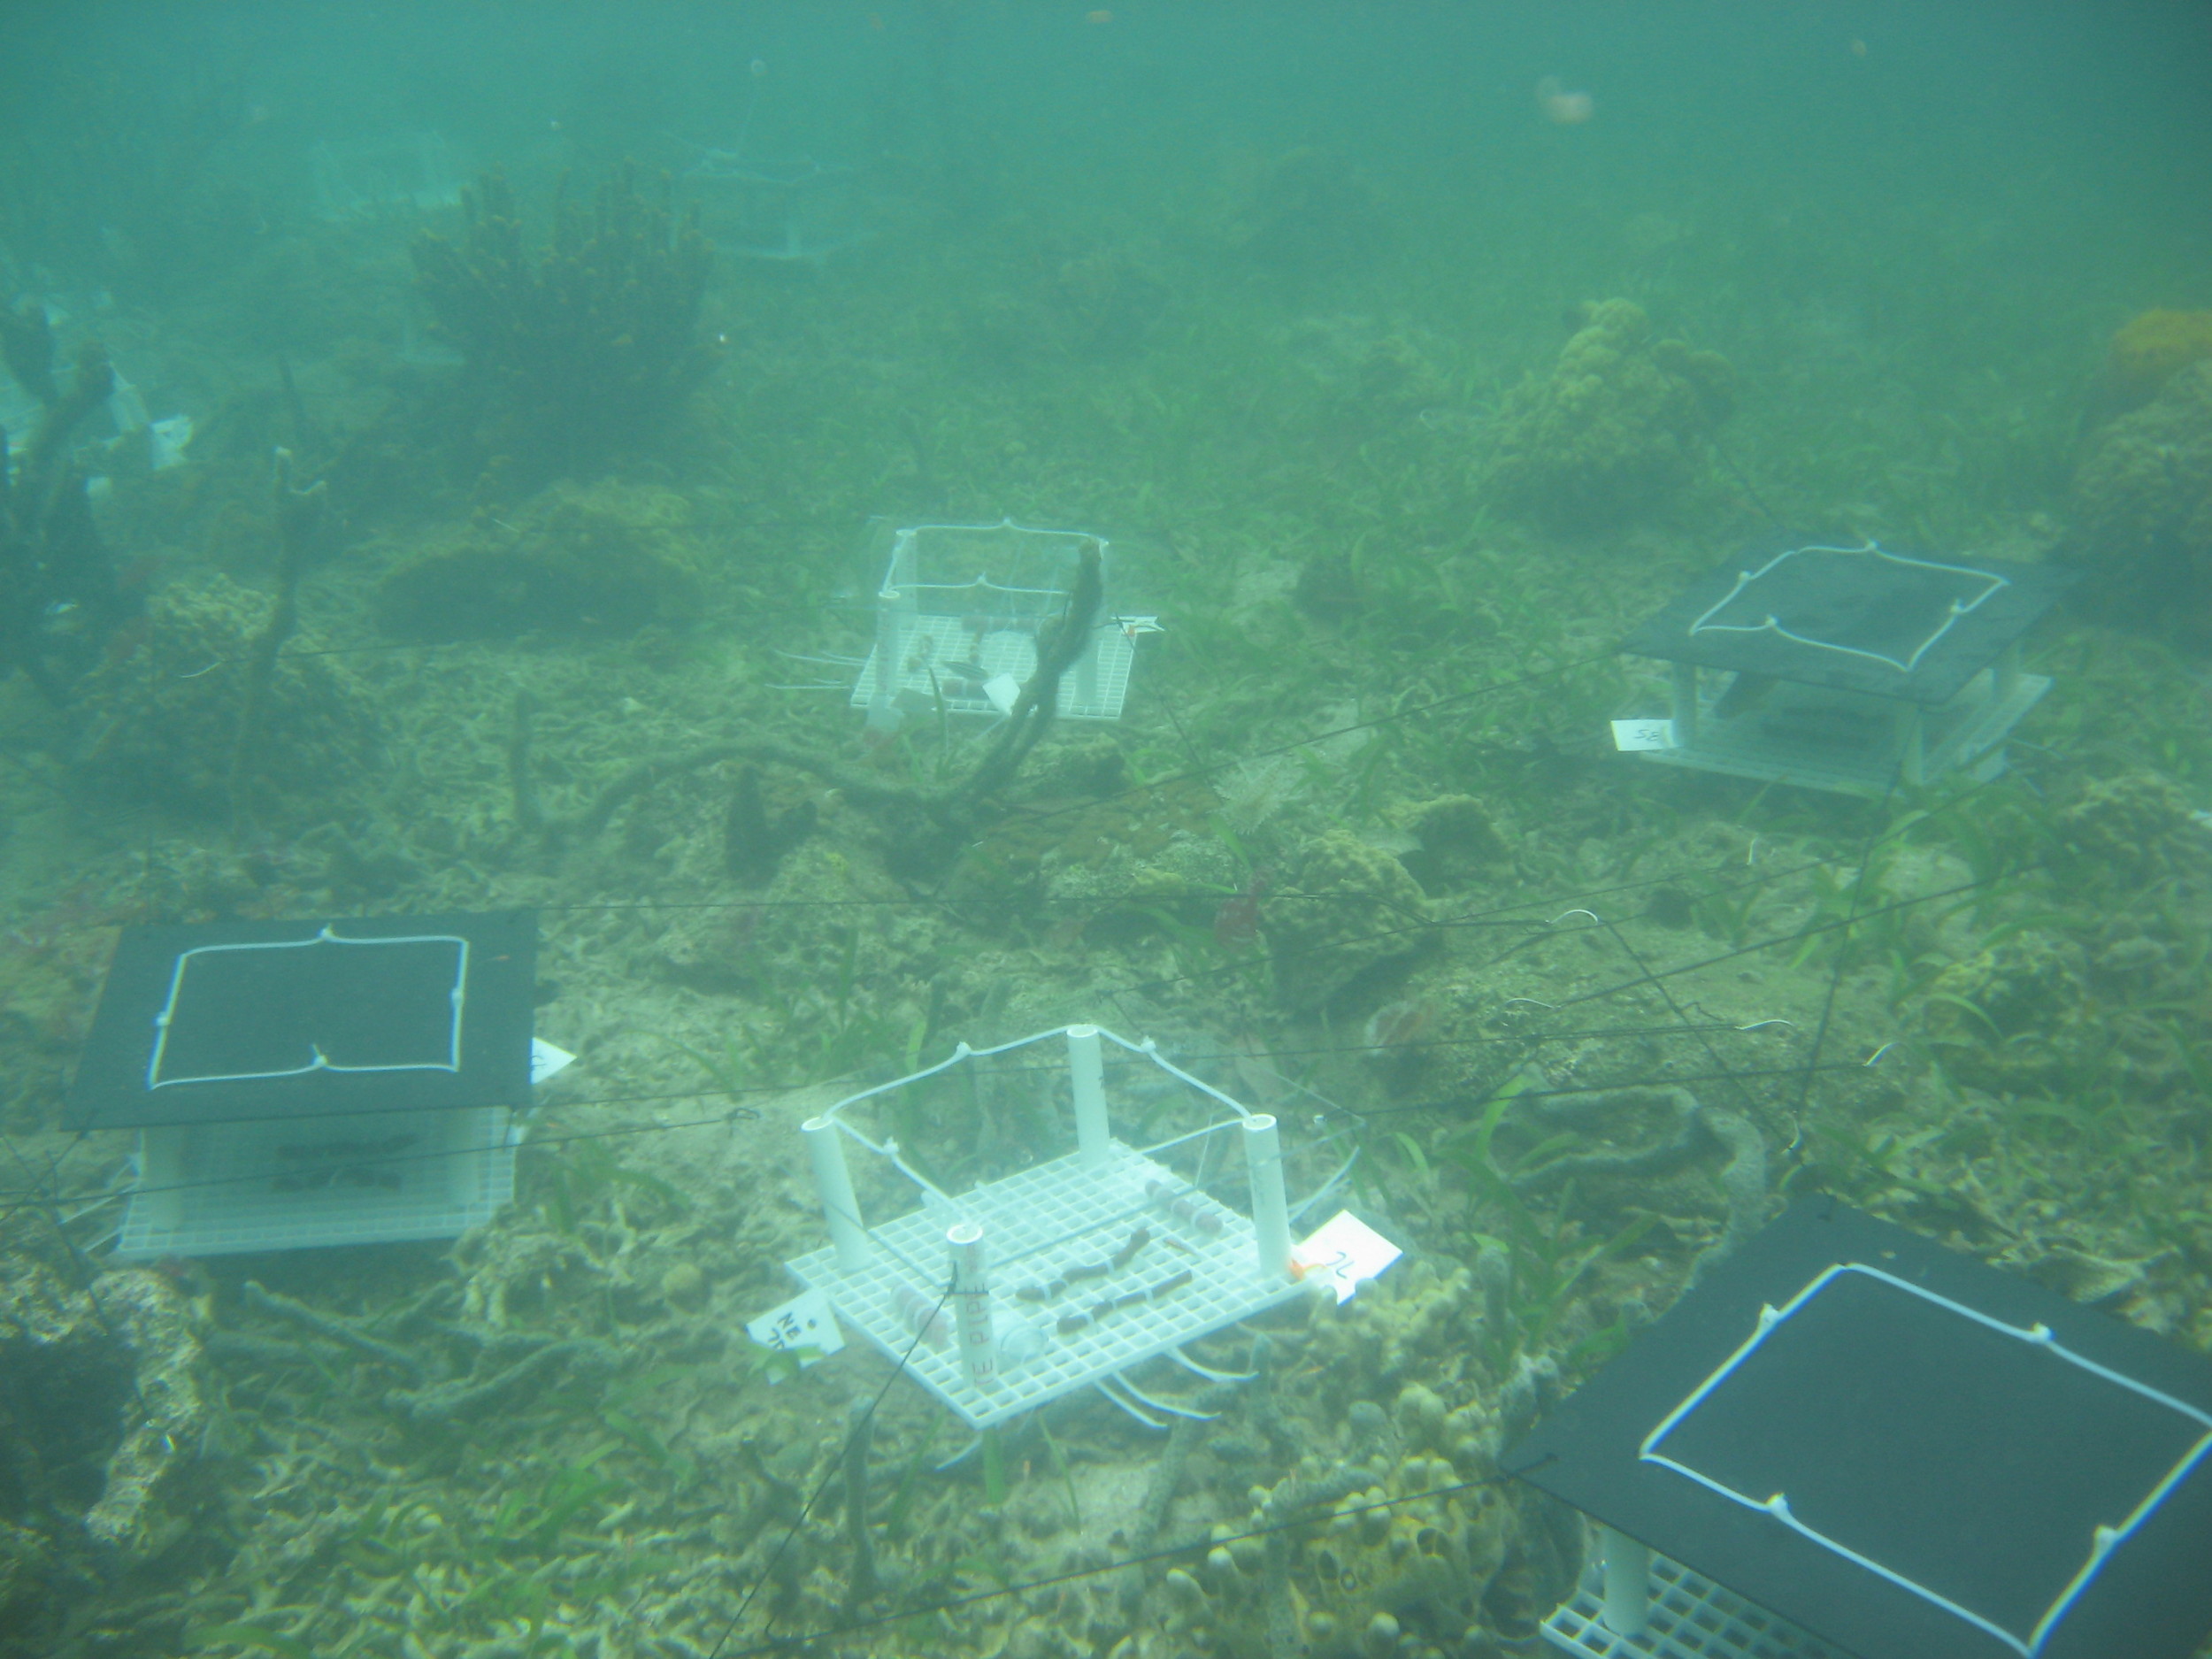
{"x":1037,"y":1225}
{"x":214,"y":1189}
{"x":1690,"y":1617}
{"x":1003,"y":652}
{"x":1758,"y":744}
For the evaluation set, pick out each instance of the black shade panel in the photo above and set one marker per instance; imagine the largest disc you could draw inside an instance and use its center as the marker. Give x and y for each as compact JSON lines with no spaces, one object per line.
{"x":1943,"y":1477}
{"x":233,"y":1021}
{"x":1853,"y":618}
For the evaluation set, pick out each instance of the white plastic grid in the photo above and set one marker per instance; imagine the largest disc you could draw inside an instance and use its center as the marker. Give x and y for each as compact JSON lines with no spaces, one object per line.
{"x":1039,"y":1224}
{"x":1848,"y":743}
{"x":214,"y":1189}
{"x":1689,"y":1617}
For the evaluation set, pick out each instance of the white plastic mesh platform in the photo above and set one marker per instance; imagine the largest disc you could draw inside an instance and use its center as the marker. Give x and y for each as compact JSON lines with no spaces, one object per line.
{"x":1691,"y":1618}
{"x":212,"y":1189}
{"x":936,"y":652}
{"x":1045,"y":1227}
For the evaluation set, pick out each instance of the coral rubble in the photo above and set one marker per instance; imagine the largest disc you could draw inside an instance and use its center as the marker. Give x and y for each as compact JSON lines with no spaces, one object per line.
{"x":1615,"y":428}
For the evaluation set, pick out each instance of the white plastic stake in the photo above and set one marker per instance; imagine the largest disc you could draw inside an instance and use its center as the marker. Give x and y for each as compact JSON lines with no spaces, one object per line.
{"x":834,"y":1184}
{"x":1271,"y":1210}
{"x":1088,"y":1072}
{"x":1627,"y":1608}
{"x":1685,"y":705}
{"x":1087,"y":675}
{"x":883,"y":712}
{"x":972,"y":1302}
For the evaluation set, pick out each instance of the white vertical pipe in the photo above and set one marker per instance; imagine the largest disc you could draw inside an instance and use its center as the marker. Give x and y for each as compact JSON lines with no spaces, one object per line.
{"x":972,"y":1302}
{"x":1627,"y":1607}
{"x":1088,"y":1072}
{"x":1685,"y":705}
{"x":834,"y":1184}
{"x":1270,"y":1209}
{"x":1912,"y":762}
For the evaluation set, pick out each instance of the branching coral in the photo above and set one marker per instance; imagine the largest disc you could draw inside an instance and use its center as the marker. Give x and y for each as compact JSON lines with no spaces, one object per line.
{"x":585,"y":343}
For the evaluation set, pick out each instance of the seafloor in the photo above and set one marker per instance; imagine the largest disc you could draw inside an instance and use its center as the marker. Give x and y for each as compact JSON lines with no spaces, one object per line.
{"x":1359,"y":852}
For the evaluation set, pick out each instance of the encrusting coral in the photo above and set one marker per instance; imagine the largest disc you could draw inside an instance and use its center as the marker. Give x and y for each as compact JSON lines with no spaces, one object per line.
{"x":1615,"y":429}
{"x":160,"y":722}
{"x":604,"y":559}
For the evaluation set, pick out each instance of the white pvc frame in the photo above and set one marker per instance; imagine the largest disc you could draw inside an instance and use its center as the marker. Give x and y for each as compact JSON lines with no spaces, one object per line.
{"x":2104,"y":1539}
{"x":457,"y":996}
{"x":1772,"y":624}
{"x":1262,"y":1145}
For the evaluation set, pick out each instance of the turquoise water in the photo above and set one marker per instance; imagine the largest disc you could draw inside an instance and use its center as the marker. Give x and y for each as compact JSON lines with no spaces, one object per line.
{"x":1377,"y":370}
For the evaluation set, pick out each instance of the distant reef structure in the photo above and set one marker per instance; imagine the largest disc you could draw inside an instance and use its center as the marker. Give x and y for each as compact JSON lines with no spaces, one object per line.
{"x":2149,"y":349}
{"x":1615,"y":428}
{"x":577,"y":348}
{"x":2142,"y":511}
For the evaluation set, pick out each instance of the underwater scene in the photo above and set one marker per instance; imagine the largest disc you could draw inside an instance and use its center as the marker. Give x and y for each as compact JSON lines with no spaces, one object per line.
{"x":1140,"y":765}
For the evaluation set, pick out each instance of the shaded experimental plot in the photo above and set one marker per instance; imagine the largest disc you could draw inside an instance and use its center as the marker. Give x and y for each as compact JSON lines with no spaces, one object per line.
{"x":1104,"y":835}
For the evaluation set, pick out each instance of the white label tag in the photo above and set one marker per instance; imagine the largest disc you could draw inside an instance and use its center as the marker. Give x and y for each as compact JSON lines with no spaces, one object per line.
{"x":546,"y":1061}
{"x":804,"y":1323}
{"x":1004,"y":691}
{"x":1342,"y":1251}
{"x":1631,"y":736}
{"x":169,"y":440}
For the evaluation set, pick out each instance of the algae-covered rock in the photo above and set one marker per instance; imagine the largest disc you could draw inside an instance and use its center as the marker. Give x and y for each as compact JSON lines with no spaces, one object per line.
{"x":605,"y":558}
{"x":1615,"y":428}
{"x":100,"y":1408}
{"x":1458,"y":836}
{"x":2143,"y":511}
{"x":1348,"y":910}
{"x":159,"y":720}
{"x":2137,"y":827}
